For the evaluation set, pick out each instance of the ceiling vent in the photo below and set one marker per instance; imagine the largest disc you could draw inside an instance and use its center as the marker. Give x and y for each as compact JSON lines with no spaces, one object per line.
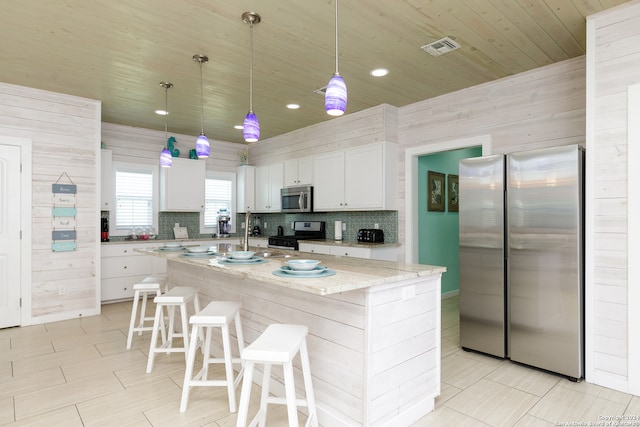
{"x":440,"y":47}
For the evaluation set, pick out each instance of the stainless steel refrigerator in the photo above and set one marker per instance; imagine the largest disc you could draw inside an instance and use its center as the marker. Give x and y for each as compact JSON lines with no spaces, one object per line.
{"x":521,"y":257}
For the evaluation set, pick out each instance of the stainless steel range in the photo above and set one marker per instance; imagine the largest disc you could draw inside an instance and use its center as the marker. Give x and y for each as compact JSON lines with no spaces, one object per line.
{"x":303,"y":230}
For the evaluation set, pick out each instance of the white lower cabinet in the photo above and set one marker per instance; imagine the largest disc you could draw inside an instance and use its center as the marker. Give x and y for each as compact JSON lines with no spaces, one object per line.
{"x":122,"y":267}
{"x":384,"y":253}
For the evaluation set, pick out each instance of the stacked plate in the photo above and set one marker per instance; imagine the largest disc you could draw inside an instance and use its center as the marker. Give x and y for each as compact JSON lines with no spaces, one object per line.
{"x":303,"y":268}
{"x":242,"y":257}
{"x":198,"y":252}
{"x":171,"y":247}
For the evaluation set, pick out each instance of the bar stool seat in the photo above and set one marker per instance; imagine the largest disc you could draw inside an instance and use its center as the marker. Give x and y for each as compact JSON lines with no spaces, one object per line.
{"x":278,"y":344}
{"x":218,"y":314}
{"x":178,"y":296}
{"x":150,"y":285}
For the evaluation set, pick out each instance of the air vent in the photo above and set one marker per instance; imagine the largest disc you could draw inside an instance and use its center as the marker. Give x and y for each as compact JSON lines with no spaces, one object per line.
{"x":321,"y":91}
{"x":440,"y":47}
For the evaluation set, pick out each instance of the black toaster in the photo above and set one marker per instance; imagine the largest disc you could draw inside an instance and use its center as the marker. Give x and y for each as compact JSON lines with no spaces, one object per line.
{"x":370,"y":235}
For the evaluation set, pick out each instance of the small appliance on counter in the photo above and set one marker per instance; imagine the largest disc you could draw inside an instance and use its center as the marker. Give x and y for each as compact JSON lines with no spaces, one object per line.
{"x":370,"y":235}
{"x":104,"y":235}
{"x":224,"y":224}
{"x":303,"y":230}
{"x":256,"y":231}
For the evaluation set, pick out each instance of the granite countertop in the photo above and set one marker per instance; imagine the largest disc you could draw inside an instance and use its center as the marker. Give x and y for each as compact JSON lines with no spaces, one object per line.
{"x":351,"y":273}
{"x":192,"y":242}
{"x":350,"y":243}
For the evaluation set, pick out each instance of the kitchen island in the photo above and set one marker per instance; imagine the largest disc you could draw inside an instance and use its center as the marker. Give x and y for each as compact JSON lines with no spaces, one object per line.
{"x":374,"y":328}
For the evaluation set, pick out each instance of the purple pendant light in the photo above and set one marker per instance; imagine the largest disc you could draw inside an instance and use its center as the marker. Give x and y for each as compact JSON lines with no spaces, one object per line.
{"x":335,"y":97}
{"x":251,"y":126}
{"x":202,"y":143}
{"x":166,"y":160}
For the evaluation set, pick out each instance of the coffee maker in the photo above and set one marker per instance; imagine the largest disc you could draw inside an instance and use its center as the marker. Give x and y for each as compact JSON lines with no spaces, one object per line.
{"x":104,"y":235}
{"x":224,"y":224}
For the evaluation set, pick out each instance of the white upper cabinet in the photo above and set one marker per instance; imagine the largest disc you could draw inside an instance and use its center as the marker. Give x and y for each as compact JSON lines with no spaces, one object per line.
{"x":246,"y":188}
{"x":106,"y":180}
{"x":328,"y":179}
{"x":361,"y":178}
{"x":182,"y":186}
{"x":298,"y":172}
{"x":269,"y":180}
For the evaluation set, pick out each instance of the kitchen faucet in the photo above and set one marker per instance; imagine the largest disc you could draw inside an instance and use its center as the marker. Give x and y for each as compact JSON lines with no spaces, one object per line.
{"x":245,"y":244}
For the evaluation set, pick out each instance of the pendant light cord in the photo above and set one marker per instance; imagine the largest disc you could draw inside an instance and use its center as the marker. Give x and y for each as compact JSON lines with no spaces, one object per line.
{"x":337,"y":37}
{"x":201,"y":100}
{"x":166,"y":113}
{"x":251,"y":67}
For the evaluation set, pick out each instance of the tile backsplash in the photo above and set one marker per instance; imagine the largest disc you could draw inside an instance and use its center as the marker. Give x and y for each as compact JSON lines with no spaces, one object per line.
{"x":386,"y":220}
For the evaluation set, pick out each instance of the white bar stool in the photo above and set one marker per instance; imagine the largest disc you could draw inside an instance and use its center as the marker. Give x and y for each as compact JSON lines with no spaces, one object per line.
{"x":218,"y":314}
{"x":178,"y":296}
{"x":278,"y":344}
{"x":149,"y":285}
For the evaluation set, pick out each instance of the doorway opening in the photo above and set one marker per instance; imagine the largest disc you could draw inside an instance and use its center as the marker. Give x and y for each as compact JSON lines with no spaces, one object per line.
{"x":412,"y":178}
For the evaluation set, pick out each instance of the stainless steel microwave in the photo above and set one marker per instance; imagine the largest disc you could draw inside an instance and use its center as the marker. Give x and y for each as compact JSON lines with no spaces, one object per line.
{"x":297,"y":199}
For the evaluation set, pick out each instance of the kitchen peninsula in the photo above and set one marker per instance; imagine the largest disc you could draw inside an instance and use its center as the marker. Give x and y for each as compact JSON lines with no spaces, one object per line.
{"x":374,"y":328}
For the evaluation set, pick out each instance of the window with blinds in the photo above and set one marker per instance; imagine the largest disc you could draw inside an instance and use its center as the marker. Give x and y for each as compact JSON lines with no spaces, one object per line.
{"x":219,"y":194}
{"x":134,"y":198}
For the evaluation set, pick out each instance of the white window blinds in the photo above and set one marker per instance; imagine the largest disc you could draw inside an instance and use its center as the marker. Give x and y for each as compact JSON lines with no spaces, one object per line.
{"x":134,"y":199}
{"x":218,"y":195}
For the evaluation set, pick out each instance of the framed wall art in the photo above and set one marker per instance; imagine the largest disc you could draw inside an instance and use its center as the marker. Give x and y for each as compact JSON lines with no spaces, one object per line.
{"x":435,"y":191}
{"x":452,"y":193}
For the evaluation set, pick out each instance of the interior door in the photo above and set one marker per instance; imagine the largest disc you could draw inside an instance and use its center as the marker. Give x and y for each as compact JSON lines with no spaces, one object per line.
{"x":9,"y":236}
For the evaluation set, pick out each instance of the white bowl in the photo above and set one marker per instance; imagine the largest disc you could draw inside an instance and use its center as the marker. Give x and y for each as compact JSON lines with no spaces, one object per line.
{"x":241,"y":254}
{"x":302,"y":264}
{"x":172,"y":244}
{"x":198,"y":249}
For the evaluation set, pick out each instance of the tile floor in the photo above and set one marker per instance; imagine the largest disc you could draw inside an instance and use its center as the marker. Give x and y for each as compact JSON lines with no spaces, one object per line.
{"x":479,"y":390}
{"x":79,"y":373}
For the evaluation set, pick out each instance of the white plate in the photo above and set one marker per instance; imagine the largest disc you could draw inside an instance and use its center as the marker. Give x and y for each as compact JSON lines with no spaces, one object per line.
{"x":171,"y":248}
{"x":198,"y":254}
{"x":198,"y":249}
{"x":252,"y":261}
{"x":323,"y":273}
{"x":241,"y":255}
{"x":319,"y":269}
{"x":302,"y":264}
{"x":242,"y":261}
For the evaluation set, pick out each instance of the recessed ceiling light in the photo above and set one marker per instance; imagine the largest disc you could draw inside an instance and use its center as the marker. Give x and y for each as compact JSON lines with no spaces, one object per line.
{"x":162,"y":112}
{"x":239,"y":127}
{"x":379,"y":72}
{"x":293,"y":106}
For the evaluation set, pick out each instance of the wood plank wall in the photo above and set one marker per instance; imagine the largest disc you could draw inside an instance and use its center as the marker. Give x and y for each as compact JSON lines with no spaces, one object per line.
{"x":613,"y":65}
{"x":372,"y":125}
{"x":137,"y":145}
{"x":541,"y":108}
{"x":65,"y":134}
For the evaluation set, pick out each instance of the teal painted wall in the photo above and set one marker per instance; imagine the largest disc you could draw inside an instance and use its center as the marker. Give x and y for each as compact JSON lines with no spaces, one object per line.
{"x":438,"y":231}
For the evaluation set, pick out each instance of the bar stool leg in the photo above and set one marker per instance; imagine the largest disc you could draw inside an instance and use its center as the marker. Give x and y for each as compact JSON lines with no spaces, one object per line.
{"x":245,"y":396}
{"x":143,"y":310}
{"x":132,"y":323}
{"x":154,"y":339}
{"x":189,"y":369}
{"x":290,"y":393}
{"x":228,"y":362}
{"x":308,"y":389}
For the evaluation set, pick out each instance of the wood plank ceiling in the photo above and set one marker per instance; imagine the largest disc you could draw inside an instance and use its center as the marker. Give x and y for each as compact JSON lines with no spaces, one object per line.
{"x":118,"y":51}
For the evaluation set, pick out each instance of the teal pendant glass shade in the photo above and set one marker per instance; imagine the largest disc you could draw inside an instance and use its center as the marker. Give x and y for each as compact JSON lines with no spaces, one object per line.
{"x":202,"y":146}
{"x":166,"y":160}
{"x":335,"y":98}
{"x":251,"y":128}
